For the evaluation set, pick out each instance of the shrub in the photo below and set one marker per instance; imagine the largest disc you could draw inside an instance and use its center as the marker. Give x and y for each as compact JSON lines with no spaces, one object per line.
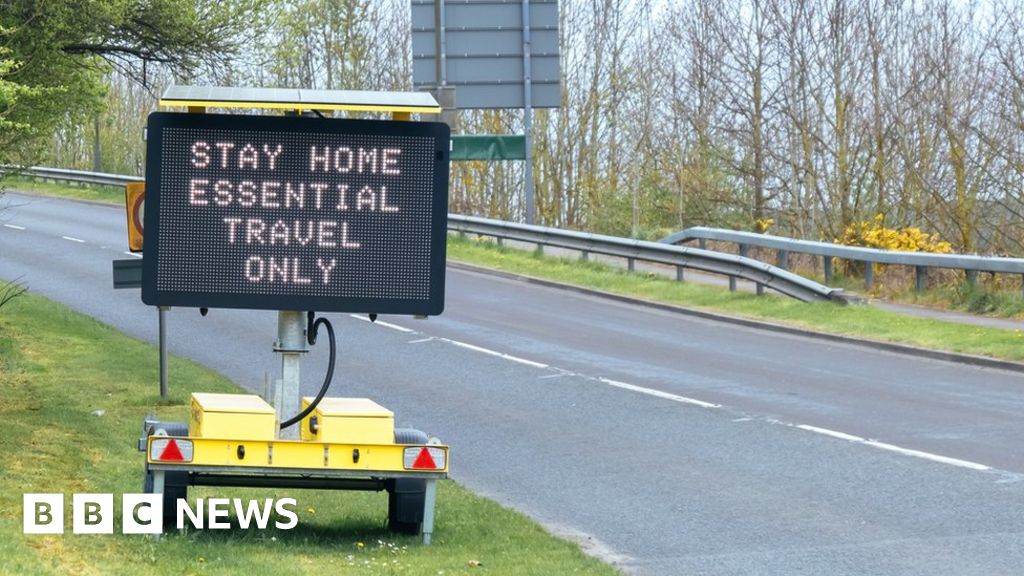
{"x":874,"y":234}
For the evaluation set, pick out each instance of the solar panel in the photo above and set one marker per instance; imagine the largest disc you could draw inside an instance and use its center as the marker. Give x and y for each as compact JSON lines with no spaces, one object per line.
{"x":298,"y":99}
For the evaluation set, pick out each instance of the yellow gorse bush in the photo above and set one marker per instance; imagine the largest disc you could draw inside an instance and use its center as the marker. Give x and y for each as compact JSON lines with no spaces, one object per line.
{"x":874,"y":234}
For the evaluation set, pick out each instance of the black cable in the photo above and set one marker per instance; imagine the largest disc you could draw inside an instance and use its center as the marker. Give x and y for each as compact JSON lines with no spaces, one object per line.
{"x":311,"y":331}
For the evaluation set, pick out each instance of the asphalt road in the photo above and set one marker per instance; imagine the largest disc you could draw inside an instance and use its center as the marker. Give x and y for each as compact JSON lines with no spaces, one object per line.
{"x":670,"y":444}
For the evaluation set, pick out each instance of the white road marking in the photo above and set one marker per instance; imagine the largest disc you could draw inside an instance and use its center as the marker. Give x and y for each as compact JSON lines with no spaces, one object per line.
{"x":693,"y":401}
{"x":133,"y":254}
{"x":659,"y":393}
{"x":897,"y":449}
{"x":395,"y":327}
{"x":490,"y":352}
{"x":14,"y":226}
{"x":383,"y":323}
{"x":72,"y":239}
{"x":928,"y":456}
{"x":832,"y":433}
{"x":472,"y":347}
{"x":543,"y":366}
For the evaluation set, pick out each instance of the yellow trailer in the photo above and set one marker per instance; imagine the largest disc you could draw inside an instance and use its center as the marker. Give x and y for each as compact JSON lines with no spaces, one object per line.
{"x":231,"y":441}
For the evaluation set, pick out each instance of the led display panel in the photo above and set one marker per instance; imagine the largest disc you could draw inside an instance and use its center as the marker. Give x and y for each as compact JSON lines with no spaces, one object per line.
{"x":295,"y":213}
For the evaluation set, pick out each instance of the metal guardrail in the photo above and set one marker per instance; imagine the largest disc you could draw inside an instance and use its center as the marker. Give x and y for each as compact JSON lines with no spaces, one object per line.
{"x":679,"y":256}
{"x":77,"y":176}
{"x":921,"y":261}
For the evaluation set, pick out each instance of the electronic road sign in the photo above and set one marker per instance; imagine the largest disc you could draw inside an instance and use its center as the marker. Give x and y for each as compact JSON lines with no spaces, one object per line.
{"x":295,"y":213}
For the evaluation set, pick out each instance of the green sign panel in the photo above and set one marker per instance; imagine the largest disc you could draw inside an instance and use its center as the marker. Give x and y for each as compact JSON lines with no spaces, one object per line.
{"x":488,"y":147}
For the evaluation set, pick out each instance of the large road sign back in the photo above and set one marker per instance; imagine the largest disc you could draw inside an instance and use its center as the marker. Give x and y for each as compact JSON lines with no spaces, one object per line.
{"x":295,"y":213}
{"x":483,"y":52}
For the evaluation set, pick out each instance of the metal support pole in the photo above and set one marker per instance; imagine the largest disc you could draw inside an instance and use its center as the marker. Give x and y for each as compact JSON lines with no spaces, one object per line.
{"x":631,"y":264}
{"x":919,"y":278}
{"x":679,"y":274}
{"x":744,"y":251}
{"x":429,"y":502}
{"x":291,"y":344}
{"x":972,"y":277}
{"x":827,"y":265}
{"x":702,"y":243}
{"x":158,"y":488}
{"x":782,"y":260}
{"x":869,"y":275}
{"x":584,"y":255}
{"x":439,"y":60}
{"x":158,"y":481}
{"x":97,"y":161}
{"x":163,"y":351}
{"x":527,"y":115}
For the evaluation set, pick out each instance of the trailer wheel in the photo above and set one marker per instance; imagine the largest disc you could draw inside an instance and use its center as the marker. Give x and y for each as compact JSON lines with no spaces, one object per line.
{"x":406,"y":499}
{"x":406,"y":496}
{"x":175,"y":487}
{"x":175,"y":482}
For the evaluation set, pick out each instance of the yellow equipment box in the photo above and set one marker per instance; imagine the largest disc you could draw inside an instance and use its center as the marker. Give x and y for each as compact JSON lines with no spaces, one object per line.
{"x":349,"y":421}
{"x":236,"y":416}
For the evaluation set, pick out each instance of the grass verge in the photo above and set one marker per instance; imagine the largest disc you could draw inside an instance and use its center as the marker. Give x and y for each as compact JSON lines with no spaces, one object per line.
{"x":997,"y":297}
{"x":58,"y":367}
{"x":982,"y":299}
{"x":860,"y":321}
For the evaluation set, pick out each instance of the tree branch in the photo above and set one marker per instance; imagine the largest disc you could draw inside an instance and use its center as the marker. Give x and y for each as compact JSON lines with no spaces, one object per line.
{"x":112,"y":49}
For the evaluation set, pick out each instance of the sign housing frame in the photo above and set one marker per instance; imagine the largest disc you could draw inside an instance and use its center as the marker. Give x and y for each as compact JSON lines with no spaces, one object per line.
{"x":433,"y":305}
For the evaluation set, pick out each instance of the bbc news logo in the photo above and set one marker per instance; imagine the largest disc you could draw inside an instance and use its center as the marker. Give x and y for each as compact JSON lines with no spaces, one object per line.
{"x":144,"y":513}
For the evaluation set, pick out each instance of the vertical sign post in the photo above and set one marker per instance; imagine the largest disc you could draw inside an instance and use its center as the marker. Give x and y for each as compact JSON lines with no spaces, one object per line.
{"x":527,"y":115}
{"x":163,"y":351}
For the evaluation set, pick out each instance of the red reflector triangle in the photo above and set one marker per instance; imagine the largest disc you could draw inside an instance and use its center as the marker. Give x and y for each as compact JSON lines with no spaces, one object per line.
{"x":424,"y":461}
{"x":171,"y":452}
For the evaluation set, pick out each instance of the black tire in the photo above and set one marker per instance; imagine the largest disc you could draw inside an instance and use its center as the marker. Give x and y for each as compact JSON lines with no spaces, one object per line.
{"x":406,"y":496}
{"x":175,"y":487}
{"x":175,"y":483}
{"x":406,"y":500}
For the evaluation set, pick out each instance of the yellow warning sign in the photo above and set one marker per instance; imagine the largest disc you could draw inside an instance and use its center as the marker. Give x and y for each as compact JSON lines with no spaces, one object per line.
{"x":135,"y":203}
